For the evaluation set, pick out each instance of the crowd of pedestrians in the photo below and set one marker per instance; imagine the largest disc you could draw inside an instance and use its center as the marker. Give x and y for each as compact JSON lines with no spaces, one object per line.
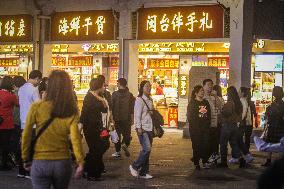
{"x":40,"y":118}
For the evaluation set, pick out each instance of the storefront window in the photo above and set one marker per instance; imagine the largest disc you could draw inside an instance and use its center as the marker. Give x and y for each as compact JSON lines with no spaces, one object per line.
{"x":86,"y":61}
{"x":15,"y":60}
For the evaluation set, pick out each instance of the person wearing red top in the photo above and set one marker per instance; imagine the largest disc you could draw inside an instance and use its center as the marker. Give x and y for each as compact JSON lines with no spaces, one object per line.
{"x":7,"y":102}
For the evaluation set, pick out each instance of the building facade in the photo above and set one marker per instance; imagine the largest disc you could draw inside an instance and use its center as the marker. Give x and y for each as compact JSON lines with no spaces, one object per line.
{"x":174,"y":44}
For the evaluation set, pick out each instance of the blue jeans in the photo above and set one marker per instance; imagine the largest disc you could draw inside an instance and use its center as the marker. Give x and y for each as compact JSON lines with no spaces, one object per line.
{"x":142,"y":162}
{"x":229,"y":133}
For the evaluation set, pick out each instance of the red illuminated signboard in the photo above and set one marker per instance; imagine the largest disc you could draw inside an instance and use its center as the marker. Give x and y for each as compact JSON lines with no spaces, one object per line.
{"x":156,"y":63}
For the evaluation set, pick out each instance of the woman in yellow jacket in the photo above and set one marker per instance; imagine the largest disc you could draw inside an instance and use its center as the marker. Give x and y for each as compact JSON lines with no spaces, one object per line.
{"x":51,"y":165}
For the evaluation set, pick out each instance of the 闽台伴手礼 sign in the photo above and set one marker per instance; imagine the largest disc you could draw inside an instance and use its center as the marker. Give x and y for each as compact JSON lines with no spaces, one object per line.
{"x":193,"y":22}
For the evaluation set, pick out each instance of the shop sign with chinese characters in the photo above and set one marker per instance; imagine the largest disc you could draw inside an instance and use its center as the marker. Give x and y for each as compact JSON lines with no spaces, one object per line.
{"x":162,"y":63}
{"x":114,"y":62}
{"x":9,"y":62}
{"x":204,"y":61}
{"x":173,"y":117}
{"x":59,"y":61}
{"x":83,"y":26}
{"x":183,"y":85}
{"x":15,"y":28}
{"x":16,"y":48}
{"x":113,"y":76}
{"x":181,"y":47}
{"x":80,"y":61}
{"x":193,"y":22}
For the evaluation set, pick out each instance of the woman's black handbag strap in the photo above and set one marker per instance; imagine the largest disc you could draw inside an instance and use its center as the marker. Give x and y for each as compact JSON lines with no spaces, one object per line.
{"x":34,"y":140}
{"x":146,"y":104}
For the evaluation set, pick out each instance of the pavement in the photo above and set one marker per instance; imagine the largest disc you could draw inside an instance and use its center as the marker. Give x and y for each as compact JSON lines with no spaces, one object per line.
{"x":170,"y":166}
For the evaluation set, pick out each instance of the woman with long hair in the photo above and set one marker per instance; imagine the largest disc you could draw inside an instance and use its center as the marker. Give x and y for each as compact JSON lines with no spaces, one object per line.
{"x":144,"y":128}
{"x":246,"y":125}
{"x":51,"y":165}
{"x":275,"y":120}
{"x":231,"y":118}
{"x":91,"y":118}
{"x":199,"y":117}
{"x":8,"y":101}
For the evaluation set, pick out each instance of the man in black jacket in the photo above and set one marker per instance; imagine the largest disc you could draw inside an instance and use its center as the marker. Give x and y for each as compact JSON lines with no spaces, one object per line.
{"x":122,"y":111}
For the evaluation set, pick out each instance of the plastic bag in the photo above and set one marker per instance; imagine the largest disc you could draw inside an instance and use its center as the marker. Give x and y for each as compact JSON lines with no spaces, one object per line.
{"x":114,"y":137}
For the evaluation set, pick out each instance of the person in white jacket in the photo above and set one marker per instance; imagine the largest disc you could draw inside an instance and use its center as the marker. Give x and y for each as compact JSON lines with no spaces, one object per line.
{"x":144,"y":128}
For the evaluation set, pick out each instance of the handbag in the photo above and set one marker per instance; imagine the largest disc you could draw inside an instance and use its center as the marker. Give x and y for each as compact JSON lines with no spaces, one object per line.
{"x":34,"y":140}
{"x":114,"y":136}
{"x":158,"y":122}
{"x":104,"y":134}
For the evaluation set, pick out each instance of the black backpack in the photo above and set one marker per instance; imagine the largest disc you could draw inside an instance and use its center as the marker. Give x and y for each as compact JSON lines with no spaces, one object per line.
{"x":158,"y":122}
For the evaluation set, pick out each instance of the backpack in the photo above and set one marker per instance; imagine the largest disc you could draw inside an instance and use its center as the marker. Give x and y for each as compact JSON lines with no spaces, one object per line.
{"x":158,"y":122}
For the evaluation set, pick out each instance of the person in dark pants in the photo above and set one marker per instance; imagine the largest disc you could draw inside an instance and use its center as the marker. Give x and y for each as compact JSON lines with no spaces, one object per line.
{"x":91,"y":118}
{"x":215,"y":131}
{"x":19,"y":81}
{"x":231,"y":117}
{"x":8,"y":101}
{"x":199,"y":116}
{"x":246,"y":125}
{"x":122,"y":111}
{"x":28,"y":94}
{"x":215,"y":107}
{"x":275,"y":120}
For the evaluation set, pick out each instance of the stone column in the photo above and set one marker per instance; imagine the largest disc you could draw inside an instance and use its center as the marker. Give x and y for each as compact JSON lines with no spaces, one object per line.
{"x":128,"y":50}
{"x":241,"y":28}
{"x":132,"y":66}
{"x":47,"y":59}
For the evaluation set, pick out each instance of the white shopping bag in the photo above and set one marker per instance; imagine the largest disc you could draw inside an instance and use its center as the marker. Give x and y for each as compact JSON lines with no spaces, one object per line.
{"x":114,"y":136}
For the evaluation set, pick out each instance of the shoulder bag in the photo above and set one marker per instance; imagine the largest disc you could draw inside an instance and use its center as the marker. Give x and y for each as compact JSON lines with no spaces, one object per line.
{"x":35,"y":139}
{"x":158,"y":121}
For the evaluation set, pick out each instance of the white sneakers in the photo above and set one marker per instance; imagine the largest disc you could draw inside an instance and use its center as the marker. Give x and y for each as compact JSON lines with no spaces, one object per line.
{"x":135,"y":173}
{"x":147,"y":176}
{"x":234,"y":161}
{"x":248,"y":158}
{"x":116,"y":155}
{"x":206,"y":166}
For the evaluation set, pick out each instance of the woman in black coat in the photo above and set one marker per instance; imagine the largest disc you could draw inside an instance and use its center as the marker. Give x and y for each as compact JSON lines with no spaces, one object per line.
{"x":91,"y":118}
{"x":199,"y":117}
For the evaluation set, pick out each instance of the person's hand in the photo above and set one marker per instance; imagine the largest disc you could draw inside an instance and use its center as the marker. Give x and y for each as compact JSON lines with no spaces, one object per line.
{"x":28,"y":166}
{"x":139,"y":131}
{"x":79,"y":171}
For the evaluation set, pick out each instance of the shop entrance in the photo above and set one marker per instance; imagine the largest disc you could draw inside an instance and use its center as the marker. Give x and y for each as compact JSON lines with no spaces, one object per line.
{"x":171,"y":68}
{"x":267,"y":73}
